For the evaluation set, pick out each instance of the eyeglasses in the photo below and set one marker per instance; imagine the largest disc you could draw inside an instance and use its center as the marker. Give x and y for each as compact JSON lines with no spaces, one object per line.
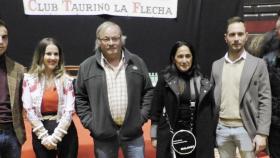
{"x":108,"y":39}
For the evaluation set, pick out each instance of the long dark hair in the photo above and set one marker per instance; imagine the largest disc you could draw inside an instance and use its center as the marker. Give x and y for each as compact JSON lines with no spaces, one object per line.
{"x":2,"y":23}
{"x":194,"y":69}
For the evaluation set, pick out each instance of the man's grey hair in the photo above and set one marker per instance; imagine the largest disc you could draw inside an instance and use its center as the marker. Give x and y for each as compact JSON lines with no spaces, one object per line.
{"x":104,"y":26}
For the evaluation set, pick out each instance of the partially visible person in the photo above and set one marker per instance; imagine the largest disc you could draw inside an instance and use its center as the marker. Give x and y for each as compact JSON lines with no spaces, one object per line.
{"x":270,"y":42}
{"x":12,"y":131}
{"x":48,"y":98}
{"x":113,"y":95}
{"x":273,"y":65}
{"x":242,"y":96}
{"x":182,"y":101}
{"x":254,"y":44}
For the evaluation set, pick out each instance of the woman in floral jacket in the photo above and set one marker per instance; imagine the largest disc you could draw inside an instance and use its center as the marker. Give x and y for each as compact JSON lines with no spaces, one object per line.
{"x":48,"y":98}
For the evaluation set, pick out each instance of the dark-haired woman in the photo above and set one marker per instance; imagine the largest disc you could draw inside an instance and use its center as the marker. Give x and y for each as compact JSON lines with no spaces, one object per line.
{"x":182,"y":102}
{"x":48,"y":98}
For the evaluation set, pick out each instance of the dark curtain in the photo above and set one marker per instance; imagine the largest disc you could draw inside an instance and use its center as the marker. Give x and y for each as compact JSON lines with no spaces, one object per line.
{"x":200,"y":21}
{"x":214,"y":15}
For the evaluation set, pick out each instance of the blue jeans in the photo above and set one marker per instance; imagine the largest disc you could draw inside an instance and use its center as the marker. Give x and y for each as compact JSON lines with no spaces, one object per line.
{"x":230,"y":138}
{"x":9,"y":145}
{"x":109,"y":149}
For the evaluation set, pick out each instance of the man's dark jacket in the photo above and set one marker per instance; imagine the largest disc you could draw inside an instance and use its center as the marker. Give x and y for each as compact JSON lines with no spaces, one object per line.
{"x":273,"y":65}
{"x":92,"y":104}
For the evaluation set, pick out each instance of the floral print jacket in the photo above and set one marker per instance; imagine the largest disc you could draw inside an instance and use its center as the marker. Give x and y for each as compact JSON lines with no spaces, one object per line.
{"x":32,"y":94}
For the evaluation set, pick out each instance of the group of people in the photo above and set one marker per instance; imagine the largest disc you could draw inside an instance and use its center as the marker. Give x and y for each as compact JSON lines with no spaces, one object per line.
{"x":46,"y":93}
{"x":232,"y":110}
{"x":113,"y":96}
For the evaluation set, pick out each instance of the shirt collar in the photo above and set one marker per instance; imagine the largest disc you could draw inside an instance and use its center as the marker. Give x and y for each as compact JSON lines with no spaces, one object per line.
{"x":242,"y":56}
{"x":104,"y":61}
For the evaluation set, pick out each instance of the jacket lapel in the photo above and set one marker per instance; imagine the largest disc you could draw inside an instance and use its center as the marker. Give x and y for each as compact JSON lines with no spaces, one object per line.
{"x":218,"y":72}
{"x":204,"y":89}
{"x":172,"y":83}
{"x":246,"y":76}
{"x":12,"y":80}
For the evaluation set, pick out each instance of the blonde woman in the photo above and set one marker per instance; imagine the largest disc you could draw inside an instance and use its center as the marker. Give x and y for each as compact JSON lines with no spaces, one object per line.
{"x":48,"y":98}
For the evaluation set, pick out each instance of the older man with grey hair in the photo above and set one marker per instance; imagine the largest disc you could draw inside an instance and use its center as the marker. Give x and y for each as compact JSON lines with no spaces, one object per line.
{"x":113,"y":95}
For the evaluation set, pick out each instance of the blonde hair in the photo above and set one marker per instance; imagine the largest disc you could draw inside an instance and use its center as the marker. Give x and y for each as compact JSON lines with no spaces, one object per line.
{"x":255,"y":44}
{"x":37,"y":66}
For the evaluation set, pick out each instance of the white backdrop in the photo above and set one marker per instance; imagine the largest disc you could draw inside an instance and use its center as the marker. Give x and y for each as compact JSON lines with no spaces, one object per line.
{"x":133,"y":8}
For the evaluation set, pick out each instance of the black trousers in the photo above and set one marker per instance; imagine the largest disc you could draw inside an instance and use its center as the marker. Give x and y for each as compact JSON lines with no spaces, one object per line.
{"x":274,"y":142}
{"x":67,"y":148}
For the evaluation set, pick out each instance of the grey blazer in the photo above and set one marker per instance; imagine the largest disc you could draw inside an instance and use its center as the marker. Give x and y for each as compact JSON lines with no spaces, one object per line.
{"x":254,"y":94}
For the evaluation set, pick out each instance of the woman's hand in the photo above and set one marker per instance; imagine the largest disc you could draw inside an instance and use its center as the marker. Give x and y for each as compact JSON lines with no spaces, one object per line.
{"x":47,"y":142}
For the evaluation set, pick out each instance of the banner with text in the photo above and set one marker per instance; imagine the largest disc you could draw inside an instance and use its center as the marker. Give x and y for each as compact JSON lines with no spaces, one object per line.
{"x":135,"y":8}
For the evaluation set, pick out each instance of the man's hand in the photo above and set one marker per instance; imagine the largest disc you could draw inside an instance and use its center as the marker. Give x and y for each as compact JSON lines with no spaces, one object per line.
{"x":154,"y":142}
{"x":259,"y":143}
